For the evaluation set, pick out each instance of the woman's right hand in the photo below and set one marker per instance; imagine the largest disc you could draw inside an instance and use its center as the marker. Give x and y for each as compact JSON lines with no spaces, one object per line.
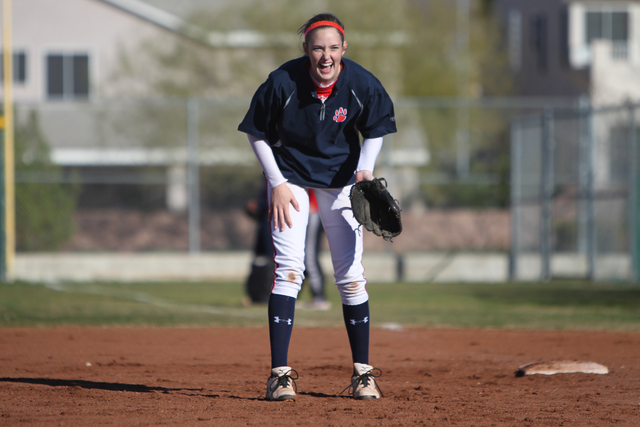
{"x":281,"y":197}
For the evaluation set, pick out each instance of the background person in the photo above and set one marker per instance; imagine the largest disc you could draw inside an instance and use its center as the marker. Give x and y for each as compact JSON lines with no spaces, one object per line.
{"x":313,"y":270}
{"x":260,"y":280}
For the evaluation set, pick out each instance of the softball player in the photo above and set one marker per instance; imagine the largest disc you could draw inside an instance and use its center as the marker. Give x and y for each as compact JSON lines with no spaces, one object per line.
{"x":304,"y":125}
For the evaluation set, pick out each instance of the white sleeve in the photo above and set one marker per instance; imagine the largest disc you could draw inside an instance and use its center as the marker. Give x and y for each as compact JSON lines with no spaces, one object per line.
{"x":368,"y":154}
{"x":265,"y":156}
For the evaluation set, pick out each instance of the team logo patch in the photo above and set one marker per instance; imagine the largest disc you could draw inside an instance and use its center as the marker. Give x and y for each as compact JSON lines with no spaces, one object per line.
{"x":341,"y":115}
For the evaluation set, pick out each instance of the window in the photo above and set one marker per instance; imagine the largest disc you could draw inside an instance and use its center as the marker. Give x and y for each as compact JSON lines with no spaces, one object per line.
{"x":594,"y":26}
{"x":515,"y":39}
{"x":19,"y":67}
{"x":539,"y":39}
{"x":619,"y":26}
{"x":612,"y":26}
{"x":67,"y":76}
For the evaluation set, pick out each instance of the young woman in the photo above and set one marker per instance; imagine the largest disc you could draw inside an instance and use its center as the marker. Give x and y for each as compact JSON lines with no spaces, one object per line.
{"x":304,"y":125}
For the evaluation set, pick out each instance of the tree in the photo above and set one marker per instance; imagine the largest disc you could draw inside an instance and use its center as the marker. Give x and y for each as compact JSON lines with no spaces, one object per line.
{"x":432,"y":55}
{"x":182,"y":66}
{"x":410,"y":45}
{"x":44,"y":211}
{"x":435,"y":66}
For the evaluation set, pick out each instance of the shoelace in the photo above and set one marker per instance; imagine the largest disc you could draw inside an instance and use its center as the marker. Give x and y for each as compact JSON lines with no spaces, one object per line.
{"x":364,"y":378}
{"x":283,"y":381}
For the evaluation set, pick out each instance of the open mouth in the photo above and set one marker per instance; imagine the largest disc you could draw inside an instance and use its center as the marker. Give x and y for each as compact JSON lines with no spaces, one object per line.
{"x":326,"y":68}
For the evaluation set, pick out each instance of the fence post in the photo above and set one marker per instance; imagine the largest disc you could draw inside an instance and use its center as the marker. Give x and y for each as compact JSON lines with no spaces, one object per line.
{"x":546,"y":193}
{"x":193,"y":174}
{"x":3,"y":229}
{"x":463,"y":8}
{"x":8,"y":166}
{"x":583,"y":172}
{"x":591,"y":206}
{"x":516,"y":197}
{"x":586,"y":214}
{"x":632,"y":202}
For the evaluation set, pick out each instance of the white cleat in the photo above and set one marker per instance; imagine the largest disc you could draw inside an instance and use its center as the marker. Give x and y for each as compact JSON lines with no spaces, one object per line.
{"x":363,"y":383}
{"x":281,"y":384}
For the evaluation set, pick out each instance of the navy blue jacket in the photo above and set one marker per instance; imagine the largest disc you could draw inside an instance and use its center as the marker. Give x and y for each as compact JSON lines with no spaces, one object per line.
{"x":315,"y":144}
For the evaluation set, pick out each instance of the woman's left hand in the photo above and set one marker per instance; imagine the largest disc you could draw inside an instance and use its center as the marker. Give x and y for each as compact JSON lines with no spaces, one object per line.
{"x":364,"y":176}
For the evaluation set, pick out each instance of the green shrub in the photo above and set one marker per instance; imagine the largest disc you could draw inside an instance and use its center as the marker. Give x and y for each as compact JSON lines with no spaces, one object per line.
{"x":229,"y":187}
{"x":44,"y":206}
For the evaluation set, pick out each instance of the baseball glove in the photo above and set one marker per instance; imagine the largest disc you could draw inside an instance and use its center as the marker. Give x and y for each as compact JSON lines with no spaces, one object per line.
{"x":374,"y":208}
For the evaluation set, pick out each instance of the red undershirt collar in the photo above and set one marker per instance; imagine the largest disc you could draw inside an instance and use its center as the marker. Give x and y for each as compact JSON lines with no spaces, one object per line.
{"x":324,"y":91}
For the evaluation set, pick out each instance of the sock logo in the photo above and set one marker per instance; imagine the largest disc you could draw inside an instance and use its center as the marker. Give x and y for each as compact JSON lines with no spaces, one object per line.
{"x":354,"y":321}
{"x":277,"y":319}
{"x":341,"y":115}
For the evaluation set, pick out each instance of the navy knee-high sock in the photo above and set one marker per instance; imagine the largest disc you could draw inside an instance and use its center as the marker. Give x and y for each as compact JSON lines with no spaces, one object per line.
{"x":281,"y":310}
{"x":356,"y":319}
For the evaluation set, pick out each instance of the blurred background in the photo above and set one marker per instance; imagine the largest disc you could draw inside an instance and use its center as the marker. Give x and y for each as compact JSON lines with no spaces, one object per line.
{"x":516,"y":156}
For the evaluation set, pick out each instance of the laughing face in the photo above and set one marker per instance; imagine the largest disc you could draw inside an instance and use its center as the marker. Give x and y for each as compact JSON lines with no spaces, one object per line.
{"x":325,"y":50}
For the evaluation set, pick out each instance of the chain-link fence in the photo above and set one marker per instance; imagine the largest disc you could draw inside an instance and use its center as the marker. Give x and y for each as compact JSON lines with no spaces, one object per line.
{"x":574,"y":194}
{"x":175,"y":174}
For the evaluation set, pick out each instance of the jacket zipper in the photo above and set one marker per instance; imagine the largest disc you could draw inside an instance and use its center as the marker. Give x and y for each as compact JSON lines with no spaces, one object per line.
{"x":322,"y":112}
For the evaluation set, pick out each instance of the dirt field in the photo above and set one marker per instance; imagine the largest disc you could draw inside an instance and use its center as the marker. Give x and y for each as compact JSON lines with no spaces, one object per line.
{"x":216,"y":376}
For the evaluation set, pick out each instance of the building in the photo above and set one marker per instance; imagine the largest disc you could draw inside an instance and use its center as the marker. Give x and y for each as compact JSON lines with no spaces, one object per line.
{"x":67,"y":54}
{"x":574,"y":47}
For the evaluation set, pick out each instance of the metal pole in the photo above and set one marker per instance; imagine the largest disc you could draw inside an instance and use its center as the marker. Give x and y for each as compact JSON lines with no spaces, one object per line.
{"x":590,"y":202}
{"x":546,"y":193}
{"x":515,"y":196}
{"x":8,"y":161}
{"x":193,"y":174}
{"x":583,"y":156}
{"x":632,"y":202}
{"x":3,"y":231}
{"x":462,"y":131}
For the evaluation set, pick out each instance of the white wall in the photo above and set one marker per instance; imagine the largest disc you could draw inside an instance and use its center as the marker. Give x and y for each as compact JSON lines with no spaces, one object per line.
{"x":579,"y":55}
{"x":613,"y":81}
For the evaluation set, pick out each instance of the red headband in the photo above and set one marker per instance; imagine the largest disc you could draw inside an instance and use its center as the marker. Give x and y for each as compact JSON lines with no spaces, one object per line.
{"x":323,"y":24}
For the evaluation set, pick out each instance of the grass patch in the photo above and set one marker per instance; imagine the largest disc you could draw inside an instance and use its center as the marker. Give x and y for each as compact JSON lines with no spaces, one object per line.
{"x":552,"y":305}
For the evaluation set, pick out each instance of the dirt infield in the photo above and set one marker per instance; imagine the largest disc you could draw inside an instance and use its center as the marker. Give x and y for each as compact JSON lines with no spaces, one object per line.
{"x":84,"y":376}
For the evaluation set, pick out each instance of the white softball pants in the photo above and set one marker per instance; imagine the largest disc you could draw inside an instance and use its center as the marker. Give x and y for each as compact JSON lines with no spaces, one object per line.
{"x":345,"y":243}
